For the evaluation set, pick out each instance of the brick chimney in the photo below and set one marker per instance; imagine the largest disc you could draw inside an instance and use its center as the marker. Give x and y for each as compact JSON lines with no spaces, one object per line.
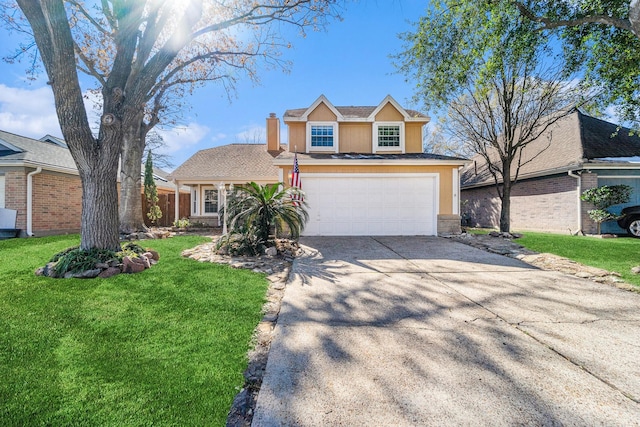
{"x":273,"y":134}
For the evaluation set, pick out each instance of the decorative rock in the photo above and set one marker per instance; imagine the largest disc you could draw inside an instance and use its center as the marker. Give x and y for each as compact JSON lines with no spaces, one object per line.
{"x":271,"y":251}
{"x":636,"y":270}
{"x":154,"y":255}
{"x":583,"y":275}
{"x":102,"y":265}
{"x":87,"y":274}
{"x":109,"y":272}
{"x":130,"y":266}
{"x":494,"y":234}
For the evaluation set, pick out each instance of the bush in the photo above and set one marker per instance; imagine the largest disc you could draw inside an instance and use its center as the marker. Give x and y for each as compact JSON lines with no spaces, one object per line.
{"x":76,"y":260}
{"x":242,"y":241}
{"x":181,"y":223}
{"x":602,"y":198}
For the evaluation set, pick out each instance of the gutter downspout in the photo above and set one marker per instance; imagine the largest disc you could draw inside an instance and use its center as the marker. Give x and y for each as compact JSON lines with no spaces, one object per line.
{"x":579,"y":188}
{"x":30,"y":200}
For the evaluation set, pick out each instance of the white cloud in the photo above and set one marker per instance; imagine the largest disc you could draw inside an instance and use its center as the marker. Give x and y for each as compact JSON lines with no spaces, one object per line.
{"x":180,"y":138}
{"x":28,"y":112}
{"x":218,"y":137}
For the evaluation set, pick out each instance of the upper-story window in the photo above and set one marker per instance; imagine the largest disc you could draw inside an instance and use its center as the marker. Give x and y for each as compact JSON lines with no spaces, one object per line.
{"x":388,"y":137}
{"x":322,"y":136}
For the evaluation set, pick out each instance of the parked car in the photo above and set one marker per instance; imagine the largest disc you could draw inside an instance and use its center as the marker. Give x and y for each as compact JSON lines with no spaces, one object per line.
{"x":630,"y":220}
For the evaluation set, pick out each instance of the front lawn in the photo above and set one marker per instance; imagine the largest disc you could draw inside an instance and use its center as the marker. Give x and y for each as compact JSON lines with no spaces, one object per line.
{"x":163,"y":347}
{"x":616,"y":254}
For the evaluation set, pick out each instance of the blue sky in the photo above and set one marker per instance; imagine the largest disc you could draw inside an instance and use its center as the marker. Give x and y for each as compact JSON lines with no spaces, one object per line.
{"x":349,"y":63}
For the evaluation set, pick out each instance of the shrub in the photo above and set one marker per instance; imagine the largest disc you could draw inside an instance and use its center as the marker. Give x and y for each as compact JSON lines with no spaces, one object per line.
{"x":75,"y":260}
{"x":242,"y":241}
{"x":181,"y":223}
{"x":604,"y":197}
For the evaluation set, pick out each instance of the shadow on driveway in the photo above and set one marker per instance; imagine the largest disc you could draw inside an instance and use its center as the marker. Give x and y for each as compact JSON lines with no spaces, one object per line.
{"x":425,"y":331}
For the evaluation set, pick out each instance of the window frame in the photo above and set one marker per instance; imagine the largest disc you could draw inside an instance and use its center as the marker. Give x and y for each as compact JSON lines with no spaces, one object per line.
{"x":215,"y":190}
{"x":375,"y":141}
{"x":333,"y":148}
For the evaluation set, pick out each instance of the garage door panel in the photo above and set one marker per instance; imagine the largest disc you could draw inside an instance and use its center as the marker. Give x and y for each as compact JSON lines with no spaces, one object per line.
{"x":371,"y":204}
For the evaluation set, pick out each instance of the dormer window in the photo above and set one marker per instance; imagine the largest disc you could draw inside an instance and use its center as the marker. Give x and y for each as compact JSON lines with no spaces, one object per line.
{"x":322,"y":136}
{"x":388,"y":137}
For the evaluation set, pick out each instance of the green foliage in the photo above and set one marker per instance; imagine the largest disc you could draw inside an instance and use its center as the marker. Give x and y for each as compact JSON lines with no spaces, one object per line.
{"x":604,"y":197}
{"x":150,"y":191}
{"x":181,"y":223}
{"x":77,"y":260}
{"x":258,"y":209}
{"x":458,"y":42}
{"x":166,"y":350}
{"x":243,"y":240}
{"x":607,"y":195}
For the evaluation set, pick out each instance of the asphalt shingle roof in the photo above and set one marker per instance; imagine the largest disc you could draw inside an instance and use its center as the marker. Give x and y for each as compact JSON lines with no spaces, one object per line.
{"x":36,"y":152}
{"x":227,"y":163}
{"x":572,"y":141}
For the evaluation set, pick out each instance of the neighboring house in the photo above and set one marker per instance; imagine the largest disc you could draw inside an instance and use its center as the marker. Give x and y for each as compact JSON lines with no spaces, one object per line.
{"x":210,"y":172}
{"x":39,"y":180}
{"x":577,"y":153}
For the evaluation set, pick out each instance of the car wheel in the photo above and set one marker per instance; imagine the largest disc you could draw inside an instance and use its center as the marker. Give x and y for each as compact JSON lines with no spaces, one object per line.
{"x":634,"y":227}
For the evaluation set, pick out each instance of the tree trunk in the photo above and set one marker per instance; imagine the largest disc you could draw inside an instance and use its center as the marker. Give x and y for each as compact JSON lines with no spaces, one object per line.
{"x":99,"y":212}
{"x":505,"y":209}
{"x":131,"y":215}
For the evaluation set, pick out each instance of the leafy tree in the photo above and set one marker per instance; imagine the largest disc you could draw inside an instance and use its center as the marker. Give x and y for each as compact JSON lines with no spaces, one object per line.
{"x":259,"y":209}
{"x":490,"y":72}
{"x":603,"y":197}
{"x":150,"y":191}
{"x":139,"y":53}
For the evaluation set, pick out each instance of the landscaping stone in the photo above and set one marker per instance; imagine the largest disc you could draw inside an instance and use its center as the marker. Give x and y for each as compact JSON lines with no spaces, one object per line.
{"x":131,"y":266}
{"x":636,"y":270}
{"x":109,"y":272}
{"x":271,"y":251}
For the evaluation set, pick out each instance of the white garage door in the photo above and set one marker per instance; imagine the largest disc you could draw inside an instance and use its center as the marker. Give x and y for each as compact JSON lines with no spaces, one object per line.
{"x":371,"y":204}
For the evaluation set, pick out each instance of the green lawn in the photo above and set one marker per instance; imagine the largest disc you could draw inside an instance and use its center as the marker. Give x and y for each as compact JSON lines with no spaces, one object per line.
{"x":163,"y":347}
{"x":617,"y":254}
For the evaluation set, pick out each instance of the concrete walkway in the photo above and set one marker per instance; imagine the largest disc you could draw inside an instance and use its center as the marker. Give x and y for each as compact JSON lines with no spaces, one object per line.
{"x":406,"y":331}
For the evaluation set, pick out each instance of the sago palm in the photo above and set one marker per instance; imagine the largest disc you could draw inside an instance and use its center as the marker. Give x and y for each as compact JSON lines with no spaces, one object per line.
{"x":262,"y":207}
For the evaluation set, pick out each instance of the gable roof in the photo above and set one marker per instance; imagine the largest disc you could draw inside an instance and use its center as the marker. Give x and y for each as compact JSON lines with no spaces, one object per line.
{"x":233,"y":162}
{"x":354,"y":113}
{"x":572,"y":143}
{"x":20,"y":150}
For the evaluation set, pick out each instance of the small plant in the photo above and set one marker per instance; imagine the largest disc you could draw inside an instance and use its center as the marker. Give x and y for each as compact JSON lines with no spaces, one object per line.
{"x":76,"y":260}
{"x":181,"y":223}
{"x":130,"y":249}
{"x":604,"y":197}
{"x":242,"y":241}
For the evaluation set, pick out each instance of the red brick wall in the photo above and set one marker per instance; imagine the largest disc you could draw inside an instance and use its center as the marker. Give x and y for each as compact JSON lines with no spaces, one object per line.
{"x":539,"y":204}
{"x":57,"y":203}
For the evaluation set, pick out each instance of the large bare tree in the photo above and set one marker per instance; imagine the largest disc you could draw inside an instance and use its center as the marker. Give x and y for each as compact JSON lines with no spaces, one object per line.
{"x":139,"y":52}
{"x":498,"y":120}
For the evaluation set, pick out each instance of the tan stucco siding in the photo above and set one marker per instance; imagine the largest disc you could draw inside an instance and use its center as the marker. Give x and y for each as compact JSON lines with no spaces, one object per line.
{"x":389,"y":114}
{"x":322,"y":113}
{"x":297,"y":137}
{"x":445,"y":176}
{"x":355,"y":137}
{"x":413,"y":137}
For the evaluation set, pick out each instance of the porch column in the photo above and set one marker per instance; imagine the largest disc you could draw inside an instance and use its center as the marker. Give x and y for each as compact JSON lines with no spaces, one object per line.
{"x":177,"y":206}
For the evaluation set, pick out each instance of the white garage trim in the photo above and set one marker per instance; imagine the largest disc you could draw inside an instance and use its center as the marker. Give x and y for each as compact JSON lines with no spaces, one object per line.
{"x":371,"y":203}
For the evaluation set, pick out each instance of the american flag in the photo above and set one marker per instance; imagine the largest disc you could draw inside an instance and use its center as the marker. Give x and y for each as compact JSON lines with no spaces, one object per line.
{"x":296,"y":182}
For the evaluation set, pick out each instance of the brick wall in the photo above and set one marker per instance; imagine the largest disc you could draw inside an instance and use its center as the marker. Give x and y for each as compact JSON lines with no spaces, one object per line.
{"x":15,"y":195}
{"x":539,"y":204}
{"x":57,"y":203}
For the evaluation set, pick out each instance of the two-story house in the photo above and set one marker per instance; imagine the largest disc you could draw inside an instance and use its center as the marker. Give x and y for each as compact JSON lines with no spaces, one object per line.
{"x":363,"y":171}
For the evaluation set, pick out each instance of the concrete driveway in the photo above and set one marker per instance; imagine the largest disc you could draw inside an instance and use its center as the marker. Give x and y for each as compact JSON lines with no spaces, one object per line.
{"x":407,"y":331}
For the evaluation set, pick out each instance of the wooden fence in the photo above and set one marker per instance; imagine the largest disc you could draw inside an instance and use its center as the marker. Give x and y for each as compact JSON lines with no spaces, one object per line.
{"x":167,"y":203}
